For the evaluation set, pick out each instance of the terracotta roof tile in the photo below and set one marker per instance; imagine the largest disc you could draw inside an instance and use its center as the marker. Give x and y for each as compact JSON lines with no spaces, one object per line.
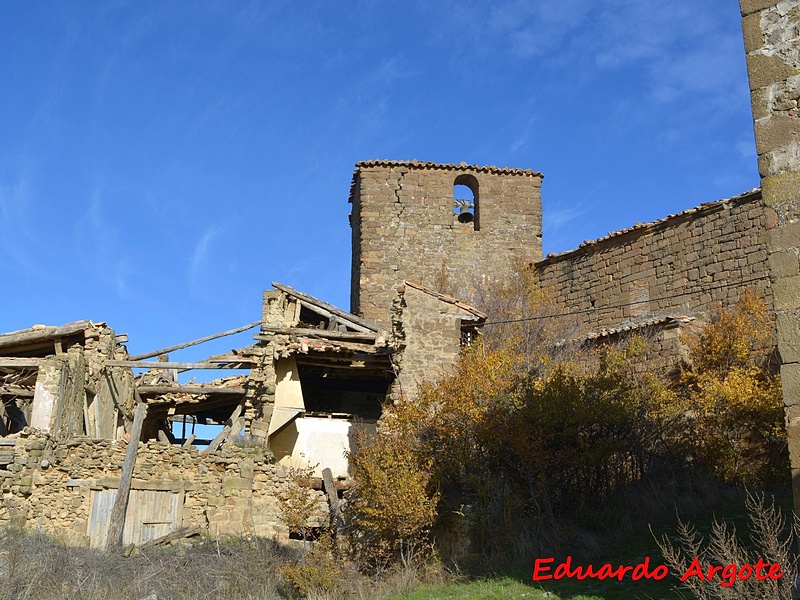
{"x":668,"y":320}
{"x":419,"y":164}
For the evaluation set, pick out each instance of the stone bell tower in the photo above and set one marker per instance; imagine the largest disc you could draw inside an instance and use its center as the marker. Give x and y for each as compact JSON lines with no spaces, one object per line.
{"x":448,"y":227}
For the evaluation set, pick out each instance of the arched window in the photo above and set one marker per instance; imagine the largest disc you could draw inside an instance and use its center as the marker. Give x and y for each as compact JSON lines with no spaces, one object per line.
{"x":465,"y":200}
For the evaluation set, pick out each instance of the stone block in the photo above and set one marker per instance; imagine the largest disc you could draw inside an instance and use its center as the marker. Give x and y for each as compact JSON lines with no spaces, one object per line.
{"x":236,"y":483}
{"x":750,"y":6}
{"x":784,"y":263}
{"x":788,"y":326}
{"x":764,"y":70}
{"x":783,"y":238}
{"x":775,"y":132}
{"x":782,"y":192}
{"x":790,"y":381}
{"x":786,"y":293}
{"x":753,"y":35}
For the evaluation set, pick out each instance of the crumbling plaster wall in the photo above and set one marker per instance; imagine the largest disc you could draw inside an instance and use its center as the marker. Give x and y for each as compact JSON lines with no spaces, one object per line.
{"x":75,"y":388}
{"x":690,"y":264}
{"x":50,"y":485}
{"x":404,"y":228}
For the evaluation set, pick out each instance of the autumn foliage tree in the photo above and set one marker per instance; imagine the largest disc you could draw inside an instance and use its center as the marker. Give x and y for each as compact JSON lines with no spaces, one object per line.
{"x":393,"y":504}
{"x":730,"y":402}
{"x":531,"y":423}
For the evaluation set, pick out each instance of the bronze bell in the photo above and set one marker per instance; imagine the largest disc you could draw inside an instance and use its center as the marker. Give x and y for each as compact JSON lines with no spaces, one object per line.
{"x":465,"y":216}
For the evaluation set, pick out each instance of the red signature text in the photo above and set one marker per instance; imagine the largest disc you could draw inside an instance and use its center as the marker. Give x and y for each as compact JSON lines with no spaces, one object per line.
{"x":725,"y":575}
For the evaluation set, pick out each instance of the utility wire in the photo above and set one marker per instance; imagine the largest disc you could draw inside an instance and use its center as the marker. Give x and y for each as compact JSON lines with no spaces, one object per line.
{"x":594,"y":310}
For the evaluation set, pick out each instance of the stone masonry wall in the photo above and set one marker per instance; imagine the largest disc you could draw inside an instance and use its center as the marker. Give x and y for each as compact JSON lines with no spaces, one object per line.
{"x":404,"y":227}
{"x":428,"y":332}
{"x":50,"y":485}
{"x":692,"y":263}
{"x":771,"y":39}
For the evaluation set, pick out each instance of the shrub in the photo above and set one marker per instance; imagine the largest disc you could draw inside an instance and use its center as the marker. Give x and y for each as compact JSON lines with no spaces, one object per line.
{"x":319,"y":571}
{"x":393,"y":503}
{"x":297,"y":502}
{"x":730,"y":404}
{"x":772,"y":542}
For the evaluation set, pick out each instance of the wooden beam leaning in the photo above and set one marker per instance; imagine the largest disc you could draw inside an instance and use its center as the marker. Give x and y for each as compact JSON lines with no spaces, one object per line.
{"x":222,"y":435}
{"x":208,"y":338}
{"x":149,"y":364}
{"x":328,"y":307}
{"x":336,"y":521}
{"x":194,"y":390}
{"x":21,"y":363}
{"x":116,"y":523}
{"x":318,"y":333}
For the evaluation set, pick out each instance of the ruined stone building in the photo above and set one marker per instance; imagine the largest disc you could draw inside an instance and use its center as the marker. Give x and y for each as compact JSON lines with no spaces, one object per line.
{"x":425,"y":237}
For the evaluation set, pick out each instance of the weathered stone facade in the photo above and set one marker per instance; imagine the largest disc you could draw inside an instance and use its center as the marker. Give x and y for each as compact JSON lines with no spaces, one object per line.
{"x":692,"y":263}
{"x":429,"y":330}
{"x":317,"y":372}
{"x":56,"y":486}
{"x":406,"y":226}
{"x":772,"y":37}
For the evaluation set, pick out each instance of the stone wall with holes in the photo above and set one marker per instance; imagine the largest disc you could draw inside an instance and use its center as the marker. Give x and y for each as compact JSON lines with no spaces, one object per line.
{"x":404,"y":228}
{"x":690,"y":264}
{"x":50,"y":486}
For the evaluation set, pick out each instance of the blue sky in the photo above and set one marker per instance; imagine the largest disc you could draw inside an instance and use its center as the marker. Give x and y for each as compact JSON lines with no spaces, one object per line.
{"x":162,"y":162}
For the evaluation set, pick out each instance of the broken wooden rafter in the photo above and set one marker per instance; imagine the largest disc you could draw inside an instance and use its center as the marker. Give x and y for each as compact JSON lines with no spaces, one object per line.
{"x":148,"y":390}
{"x":315,"y":483}
{"x":45,"y":333}
{"x":173,"y":536}
{"x":13,"y":390}
{"x":192,"y":405}
{"x":20,"y":363}
{"x":222,"y":435}
{"x":149,"y":364}
{"x":317,"y":333}
{"x":208,"y":338}
{"x":319,"y":304}
{"x":334,"y":319}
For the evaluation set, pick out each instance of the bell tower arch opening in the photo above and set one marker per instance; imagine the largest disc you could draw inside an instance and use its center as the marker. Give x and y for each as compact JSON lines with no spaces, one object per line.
{"x":465,"y":200}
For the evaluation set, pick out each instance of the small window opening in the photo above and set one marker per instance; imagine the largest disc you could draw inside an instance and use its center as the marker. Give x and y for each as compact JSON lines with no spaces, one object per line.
{"x":465,"y":200}
{"x":468,"y":335}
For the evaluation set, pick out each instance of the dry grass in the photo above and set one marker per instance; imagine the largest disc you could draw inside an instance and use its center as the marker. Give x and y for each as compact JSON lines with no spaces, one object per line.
{"x":37,"y":567}
{"x":772,"y":540}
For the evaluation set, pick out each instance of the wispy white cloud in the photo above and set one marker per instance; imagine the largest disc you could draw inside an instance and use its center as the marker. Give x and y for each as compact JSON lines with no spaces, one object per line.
{"x":747,"y":148}
{"x":200,"y":253}
{"x":102,"y":243}
{"x":523,"y":137}
{"x":555,"y":219}
{"x":16,"y":230}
